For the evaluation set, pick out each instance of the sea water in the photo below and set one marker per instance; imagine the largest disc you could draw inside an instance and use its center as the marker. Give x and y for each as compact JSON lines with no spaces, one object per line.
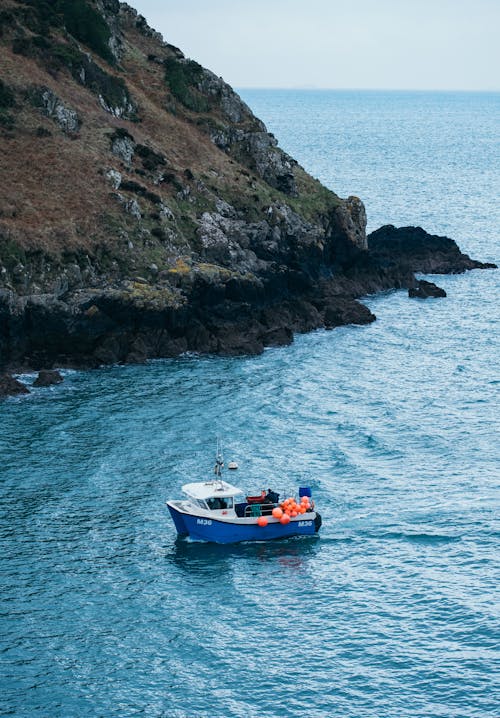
{"x":394,"y":610}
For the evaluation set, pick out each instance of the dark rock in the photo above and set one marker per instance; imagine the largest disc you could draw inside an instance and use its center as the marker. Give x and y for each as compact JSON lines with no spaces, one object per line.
{"x":281,"y":336}
{"x":135,"y":358}
{"x":139,"y":353}
{"x":344,"y":310}
{"x":231,"y":341}
{"x":11,"y":387}
{"x":47,"y":377}
{"x":172,"y":346}
{"x":424,"y":289}
{"x":109,"y":351}
{"x":414,"y":249}
{"x":350,"y":217}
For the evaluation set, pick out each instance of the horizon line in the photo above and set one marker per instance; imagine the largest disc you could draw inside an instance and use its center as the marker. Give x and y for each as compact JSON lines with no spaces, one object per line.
{"x":310,"y":88}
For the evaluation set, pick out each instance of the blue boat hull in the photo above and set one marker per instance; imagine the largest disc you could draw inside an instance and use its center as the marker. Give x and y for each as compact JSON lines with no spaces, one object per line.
{"x":208,"y":529}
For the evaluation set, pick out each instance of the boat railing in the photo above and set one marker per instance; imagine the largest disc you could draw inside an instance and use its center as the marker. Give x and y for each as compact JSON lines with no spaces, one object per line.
{"x":259,"y":510}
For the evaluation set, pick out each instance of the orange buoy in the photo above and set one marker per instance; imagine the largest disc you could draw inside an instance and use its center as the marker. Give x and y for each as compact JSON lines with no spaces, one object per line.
{"x":302,"y":509}
{"x":277,"y":512}
{"x":293,"y":514}
{"x":262,"y":521}
{"x":285,"y":519}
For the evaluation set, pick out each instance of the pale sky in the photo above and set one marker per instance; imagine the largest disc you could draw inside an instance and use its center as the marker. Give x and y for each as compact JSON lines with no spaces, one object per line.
{"x":372,"y":44}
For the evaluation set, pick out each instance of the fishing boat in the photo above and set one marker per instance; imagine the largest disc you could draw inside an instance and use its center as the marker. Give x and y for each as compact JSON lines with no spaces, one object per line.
{"x":219,"y":512}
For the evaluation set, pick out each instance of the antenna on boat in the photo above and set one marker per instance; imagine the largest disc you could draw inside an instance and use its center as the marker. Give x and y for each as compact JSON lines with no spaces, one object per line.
{"x":219,"y":461}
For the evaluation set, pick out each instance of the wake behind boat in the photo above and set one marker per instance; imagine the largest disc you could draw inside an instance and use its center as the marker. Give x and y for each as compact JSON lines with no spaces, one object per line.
{"x":219,"y":512}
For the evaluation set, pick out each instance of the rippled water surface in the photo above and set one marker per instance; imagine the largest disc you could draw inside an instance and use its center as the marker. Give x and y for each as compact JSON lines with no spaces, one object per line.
{"x":393,"y":611}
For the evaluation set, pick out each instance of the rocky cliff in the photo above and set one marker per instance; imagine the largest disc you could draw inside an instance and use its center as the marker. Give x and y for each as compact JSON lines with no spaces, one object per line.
{"x":145,"y":211}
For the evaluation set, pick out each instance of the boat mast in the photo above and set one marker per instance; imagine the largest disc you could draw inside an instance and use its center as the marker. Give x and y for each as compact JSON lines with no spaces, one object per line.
{"x":219,"y":462}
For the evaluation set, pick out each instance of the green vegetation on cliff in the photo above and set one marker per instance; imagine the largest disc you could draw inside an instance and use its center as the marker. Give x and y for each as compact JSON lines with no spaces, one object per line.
{"x":183,"y":77}
{"x":78,"y":17}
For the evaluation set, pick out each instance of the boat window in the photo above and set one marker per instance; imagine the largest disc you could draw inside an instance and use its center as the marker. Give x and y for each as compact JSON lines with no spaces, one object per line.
{"x":220,"y":503}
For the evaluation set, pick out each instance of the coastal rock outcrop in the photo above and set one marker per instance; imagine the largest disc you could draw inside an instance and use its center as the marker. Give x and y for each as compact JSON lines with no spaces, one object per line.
{"x":416,"y":250}
{"x":163,"y":217}
{"x":339,"y":311}
{"x":424,"y":290}
{"x":351,"y":220}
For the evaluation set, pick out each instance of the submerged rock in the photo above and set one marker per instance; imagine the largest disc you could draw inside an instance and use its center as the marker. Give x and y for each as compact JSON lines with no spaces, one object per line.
{"x":47,"y":377}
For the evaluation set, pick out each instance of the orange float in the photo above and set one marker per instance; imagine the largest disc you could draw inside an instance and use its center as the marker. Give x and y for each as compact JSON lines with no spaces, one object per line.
{"x":277,"y":512}
{"x":262,"y":521}
{"x":285,"y":519}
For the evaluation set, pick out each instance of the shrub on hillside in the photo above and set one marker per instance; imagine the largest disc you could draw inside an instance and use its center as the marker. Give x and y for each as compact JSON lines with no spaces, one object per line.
{"x":183,"y":77}
{"x":7,"y":98}
{"x":78,"y":17}
{"x":88,"y":26}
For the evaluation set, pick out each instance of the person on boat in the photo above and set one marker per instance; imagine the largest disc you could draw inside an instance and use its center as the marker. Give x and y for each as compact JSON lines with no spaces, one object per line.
{"x":271,"y":497}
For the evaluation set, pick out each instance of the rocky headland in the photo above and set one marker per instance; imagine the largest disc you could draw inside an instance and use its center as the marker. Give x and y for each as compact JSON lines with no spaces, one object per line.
{"x":145,"y":211}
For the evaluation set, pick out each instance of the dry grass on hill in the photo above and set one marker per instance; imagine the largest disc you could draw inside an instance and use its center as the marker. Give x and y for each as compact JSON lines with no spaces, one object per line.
{"x":55,"y":193}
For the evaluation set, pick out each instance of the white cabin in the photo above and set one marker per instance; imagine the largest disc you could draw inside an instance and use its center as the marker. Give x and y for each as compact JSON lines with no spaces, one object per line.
{"x":214,"y":497}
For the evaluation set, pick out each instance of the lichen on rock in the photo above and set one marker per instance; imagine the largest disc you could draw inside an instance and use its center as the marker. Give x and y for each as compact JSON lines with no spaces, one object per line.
{"x":114,"y":177}
{"x":52,"y":106}
{"x":351,"y":217}
{"x":123,"y":145}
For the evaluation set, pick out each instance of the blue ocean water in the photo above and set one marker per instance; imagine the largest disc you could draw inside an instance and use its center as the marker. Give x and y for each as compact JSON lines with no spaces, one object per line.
{"x":393,"y":611}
